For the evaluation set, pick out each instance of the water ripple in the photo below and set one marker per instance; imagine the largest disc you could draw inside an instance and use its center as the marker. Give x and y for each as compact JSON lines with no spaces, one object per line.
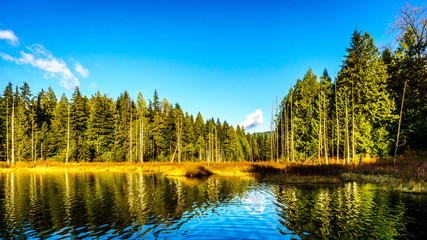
{"x":137,"y":206}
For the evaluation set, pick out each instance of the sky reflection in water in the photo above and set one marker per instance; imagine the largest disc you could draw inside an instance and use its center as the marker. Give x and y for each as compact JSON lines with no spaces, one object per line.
{"x":134,"y":205}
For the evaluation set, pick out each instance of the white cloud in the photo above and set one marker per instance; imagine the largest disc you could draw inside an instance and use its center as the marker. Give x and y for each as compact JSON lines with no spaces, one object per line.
{"x":42,"y":59}
{"x":252,"y":120}
{"x":9,"y":36}
{"x":81,"y":70}
{"x":93,"y":85}
{"x":39,"y":57}
{"x":8,"y":57}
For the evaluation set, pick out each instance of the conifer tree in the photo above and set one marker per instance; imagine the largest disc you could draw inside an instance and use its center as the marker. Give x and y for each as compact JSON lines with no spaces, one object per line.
{"x":305,"y":114}
{"x":362,"y":80}
{"x":141,"y":112}
{"x":79,"y":119}
{"x":60,"y":125}
{"x":7,"y":106}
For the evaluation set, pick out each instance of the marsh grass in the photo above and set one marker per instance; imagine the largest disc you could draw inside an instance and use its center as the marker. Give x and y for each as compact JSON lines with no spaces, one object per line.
{"x":408,"y":175}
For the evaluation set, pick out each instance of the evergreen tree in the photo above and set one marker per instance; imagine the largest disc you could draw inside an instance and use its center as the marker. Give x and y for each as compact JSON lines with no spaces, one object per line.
{"x":306,"y":115}
{"x":362,"y":79}
{"x":6,"y":109}
{"x":59,"y":128}
{"x":408,"y":67}
{"x":121,"y":127}
{"x":100,"y":127}
{"x":79,"y":149}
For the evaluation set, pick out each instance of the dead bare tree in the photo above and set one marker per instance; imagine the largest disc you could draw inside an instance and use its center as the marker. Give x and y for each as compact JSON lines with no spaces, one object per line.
{"x":325,"y":129}
{"x":353,"y":142}
{"x":68,"y":135}
{"x":286,"y":132}
{"x":272,"y":135}
{"x":141,"y":136}
{"x":338,"y":124}
{"x":413,"y":19}
{"x":292,"y":133}
{"x":400,"y":120}
{"x":319,"y":144}
{"x":282,"y":132}
{"x":277,"y":132}
{"x":130,"y":134}
{"x":13,"y":129}
{"x":347,"y":138}
{"x":7,"y":130}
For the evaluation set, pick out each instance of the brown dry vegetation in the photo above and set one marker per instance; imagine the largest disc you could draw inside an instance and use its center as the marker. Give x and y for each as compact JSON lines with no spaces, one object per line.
{"x":409,"y":174}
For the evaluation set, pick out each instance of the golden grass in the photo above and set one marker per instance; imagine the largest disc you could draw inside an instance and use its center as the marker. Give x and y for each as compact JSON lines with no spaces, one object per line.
{"x":409,"y":174}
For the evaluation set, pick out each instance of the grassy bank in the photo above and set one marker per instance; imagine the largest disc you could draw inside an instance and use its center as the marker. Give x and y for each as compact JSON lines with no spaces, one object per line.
{"x":409,"y":174}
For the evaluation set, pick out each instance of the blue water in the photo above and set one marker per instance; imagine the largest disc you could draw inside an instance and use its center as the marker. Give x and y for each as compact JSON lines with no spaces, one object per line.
{"x":137,"y":206}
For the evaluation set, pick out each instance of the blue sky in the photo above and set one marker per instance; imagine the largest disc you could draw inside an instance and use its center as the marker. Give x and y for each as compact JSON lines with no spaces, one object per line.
{"x":225,"y":59}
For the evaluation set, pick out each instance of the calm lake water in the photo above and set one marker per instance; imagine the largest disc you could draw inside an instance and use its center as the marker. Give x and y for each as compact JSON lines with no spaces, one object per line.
{"x":137,"y":206}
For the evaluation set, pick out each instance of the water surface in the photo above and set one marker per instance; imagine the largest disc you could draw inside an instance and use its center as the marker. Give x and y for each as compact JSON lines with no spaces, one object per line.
{"x":137,"y":206}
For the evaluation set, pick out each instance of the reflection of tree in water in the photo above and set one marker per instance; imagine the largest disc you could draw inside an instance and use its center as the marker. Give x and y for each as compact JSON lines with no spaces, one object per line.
{"x":78,"y":205}
{"x":98,"y":204}
{"x":348,"y":211}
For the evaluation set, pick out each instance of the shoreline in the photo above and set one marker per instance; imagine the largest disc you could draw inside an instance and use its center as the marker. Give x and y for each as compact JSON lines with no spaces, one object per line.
{"x":407,"y":178}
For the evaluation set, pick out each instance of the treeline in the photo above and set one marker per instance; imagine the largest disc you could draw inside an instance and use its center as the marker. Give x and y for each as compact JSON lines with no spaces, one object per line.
{"x":100,"y":128}
{"x":376,"y":106}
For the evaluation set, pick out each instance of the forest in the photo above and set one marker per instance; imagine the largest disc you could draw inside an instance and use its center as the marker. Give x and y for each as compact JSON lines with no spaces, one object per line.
{"x":375,"y":107}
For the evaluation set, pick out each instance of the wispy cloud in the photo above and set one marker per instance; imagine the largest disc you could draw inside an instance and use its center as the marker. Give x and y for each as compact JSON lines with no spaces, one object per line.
{"x":39,"y":57}
{"x":81,"y":70}
{"x":93,"y":85}
{"x":252,"y":120}
{"x":9,"y":36}
{"x":42,"y":59}
{"x":8,"y":57}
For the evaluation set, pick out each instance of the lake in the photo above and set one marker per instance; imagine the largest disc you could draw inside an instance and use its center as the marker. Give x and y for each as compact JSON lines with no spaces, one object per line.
{"x":108,"y":205}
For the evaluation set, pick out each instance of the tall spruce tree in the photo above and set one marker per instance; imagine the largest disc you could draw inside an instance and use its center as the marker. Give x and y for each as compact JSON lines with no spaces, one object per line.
{"x":306,"y":115}
{"x":362,"y":80}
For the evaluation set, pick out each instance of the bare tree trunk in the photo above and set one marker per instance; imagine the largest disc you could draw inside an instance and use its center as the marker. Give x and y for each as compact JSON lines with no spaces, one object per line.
{"x":286,"y":133}
{"x":277,"y":132}
{"x":319,"y":145}
{"x":292,"y":134}
{"x":216,"y":144}
{"x":174,"y":152}
{"x":332,"y":138}
{"x":7,"y":131}
{"x":282,"y":135}
{"x":130,"y":134}
{"x":400,"y":121}
{"x":35,"y":147}
{"x":68,"y":136}
{"x":137,"y":145}
{"x":347,"y":140}
{"x":208,"y":153}
{"x":272,"y":135}
{"x":212,"y":146}
{"x":32,"y":134}
{"x":338,"y":124}
{"x":179,"y":137}
{"x":13,"y":130}
{"x":353,"y":142}
{"x":141,"y":137}
{"x":325,"y":129}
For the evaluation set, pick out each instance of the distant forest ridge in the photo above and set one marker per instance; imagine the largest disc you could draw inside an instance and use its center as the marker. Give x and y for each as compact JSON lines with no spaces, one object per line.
{"x":376,"y":106}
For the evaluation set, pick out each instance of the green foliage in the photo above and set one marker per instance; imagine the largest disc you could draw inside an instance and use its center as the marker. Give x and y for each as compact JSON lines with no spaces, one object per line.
{"x":408,"y":64}
{"x":362,"y":80}
{"x":306,"y":115}
{"x":364,"y":100}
